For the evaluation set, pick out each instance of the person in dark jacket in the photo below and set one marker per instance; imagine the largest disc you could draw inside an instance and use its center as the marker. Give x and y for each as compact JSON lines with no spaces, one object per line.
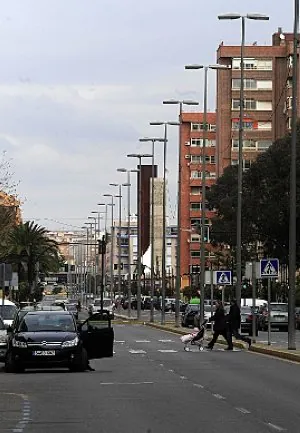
{"x":234,"y":322}
{"x":220,"y":326}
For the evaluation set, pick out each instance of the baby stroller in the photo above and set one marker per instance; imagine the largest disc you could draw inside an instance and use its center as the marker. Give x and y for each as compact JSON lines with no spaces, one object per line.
{"x":195,"y":338}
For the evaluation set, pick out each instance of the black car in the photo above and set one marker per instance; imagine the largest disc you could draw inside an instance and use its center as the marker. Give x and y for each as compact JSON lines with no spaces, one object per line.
{"x":187,"y":318}
{"x":43,"y":339}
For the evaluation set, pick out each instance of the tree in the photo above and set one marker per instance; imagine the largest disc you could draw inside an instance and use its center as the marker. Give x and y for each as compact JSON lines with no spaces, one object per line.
{"x":28,"y":247}
{"x":265,"y":210}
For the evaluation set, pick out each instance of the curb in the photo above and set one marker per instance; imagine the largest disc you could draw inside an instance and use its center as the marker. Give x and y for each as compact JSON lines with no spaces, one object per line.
{"x":282,"y":354}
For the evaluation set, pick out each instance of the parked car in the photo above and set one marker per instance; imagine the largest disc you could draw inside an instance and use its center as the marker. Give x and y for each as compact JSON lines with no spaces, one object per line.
{"x":8,"y":311}
{"x":247,"y":319}
{"x":73,"y":308}
{"x":278,"y":316}
{"x":187,"y":318}
{"x":3,"y":340}
{"x":46,"y":339}
{"x":108,"y":305}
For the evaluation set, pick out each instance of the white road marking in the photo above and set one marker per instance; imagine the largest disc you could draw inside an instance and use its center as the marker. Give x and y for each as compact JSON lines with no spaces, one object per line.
{"x":136,"y":351}
{"x":219,"y":396}
{"x":197,"y":385}
{"x":119,"y":341}
{"x":275,"y":427}
{"x":243,"y":410}
{"x":161,"y":365}
{"x":168,"y":351}
{"x":126,"y":383}
{"x":183,"y":377}
{"x":142,"y":341}
{"x":22,"y":423}
{"x":171,"y":371}
{"x":166,"y":341}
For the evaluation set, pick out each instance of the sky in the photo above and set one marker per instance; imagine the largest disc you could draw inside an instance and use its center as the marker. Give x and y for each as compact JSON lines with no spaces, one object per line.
{"x":80,"y":80}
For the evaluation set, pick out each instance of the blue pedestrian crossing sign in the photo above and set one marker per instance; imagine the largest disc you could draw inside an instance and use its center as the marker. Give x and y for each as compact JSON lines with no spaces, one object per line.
{"x":223,"y":278}
{"x":269,"y":268}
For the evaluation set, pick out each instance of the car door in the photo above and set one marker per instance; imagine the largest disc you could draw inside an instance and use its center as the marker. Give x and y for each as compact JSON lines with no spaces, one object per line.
{"x":97,"y":336}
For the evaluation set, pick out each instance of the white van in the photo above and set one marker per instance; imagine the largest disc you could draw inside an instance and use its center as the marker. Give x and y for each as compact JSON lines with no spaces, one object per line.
{"x":8,"y":311}
{"x":248,"y":302}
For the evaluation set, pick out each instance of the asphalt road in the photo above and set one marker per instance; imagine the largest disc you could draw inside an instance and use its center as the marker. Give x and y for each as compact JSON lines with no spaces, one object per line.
{"x":152,"y":386}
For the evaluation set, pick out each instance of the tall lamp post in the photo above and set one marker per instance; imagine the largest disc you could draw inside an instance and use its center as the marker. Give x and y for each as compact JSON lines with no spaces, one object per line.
{"x":95,"y":253}
{"x":293,"y":188}
{"x":153,"y":141}
{"x":178,"y":247}
{"x":128,"y":184}
{"x":257,"y":17}
{"x":163,"y":258}
{"x":89,"y":286}
{"x":119,"y":196}
{"x":111,"y":245}
{"x":85,"y":264}
{"x":203,"y":181}
{"x":139,"y":156}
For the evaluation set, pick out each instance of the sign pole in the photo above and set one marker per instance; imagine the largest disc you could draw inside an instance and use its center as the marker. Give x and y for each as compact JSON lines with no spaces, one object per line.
{"x":254,"y":324}
{"x":211,"y":291}
{"x":269,"y":311}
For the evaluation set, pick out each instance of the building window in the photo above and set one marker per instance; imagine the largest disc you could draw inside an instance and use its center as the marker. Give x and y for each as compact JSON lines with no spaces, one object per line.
{"x":264,"y":125}
{"x":264,"y":105}
{"x":195,"y":159}
{"x":249,"y":83}
{"x":247,"y":144}
{"x":289,"y":101}
{"x":264,"y":144}
{"x":197,"y":126}
{"x":196,"y":142}
{"x":195,"y":206}
{"x":195,"y":174}
{"x":195,"y":253}
{"x":210,"y":159}
{"x":246,"y":125}
{"x":249,"y":104}
{"x":212,"y":127}
{"x":195,"y":190}
{"x":195,"y":238}
{"x":252,"y":63}
{"x":289,"y":123}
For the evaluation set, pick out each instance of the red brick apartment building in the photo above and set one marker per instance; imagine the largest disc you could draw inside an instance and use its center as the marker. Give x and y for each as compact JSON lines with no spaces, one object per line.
{"x":191,"y":146}
{"x":267,"y":98}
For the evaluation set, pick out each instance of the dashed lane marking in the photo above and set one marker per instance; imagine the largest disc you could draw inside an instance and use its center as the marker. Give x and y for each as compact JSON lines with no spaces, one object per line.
{"x":119,"y":341}
{"x":142,"y":341}
{"x":136,"y":351}
{"x":166,"y":341}
{"x":126,"y":383}
{"x":183,"y":377}
{"x":168,"y":351}
{"x":243,"y":410}
{"x":275,"y":427}
{"x":197,"y":385}
{"x":219,"y":396}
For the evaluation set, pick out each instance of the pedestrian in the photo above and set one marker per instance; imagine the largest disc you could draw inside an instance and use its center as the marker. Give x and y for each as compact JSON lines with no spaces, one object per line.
{"x":220,"y":327}
{"x":234,"y":322}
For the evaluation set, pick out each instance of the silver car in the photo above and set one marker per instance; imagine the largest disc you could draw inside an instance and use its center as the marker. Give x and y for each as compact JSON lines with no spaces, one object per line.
{"x":278,"y":316}
{"x":3,"y":341}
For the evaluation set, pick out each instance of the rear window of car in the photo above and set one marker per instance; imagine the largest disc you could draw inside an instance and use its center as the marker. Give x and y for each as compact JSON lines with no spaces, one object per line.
{"x":279,"y":307}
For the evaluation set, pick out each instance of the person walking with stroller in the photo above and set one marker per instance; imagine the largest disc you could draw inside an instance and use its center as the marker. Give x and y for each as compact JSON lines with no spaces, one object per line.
{"x":234,"y":322}
{"x":220,"y":328}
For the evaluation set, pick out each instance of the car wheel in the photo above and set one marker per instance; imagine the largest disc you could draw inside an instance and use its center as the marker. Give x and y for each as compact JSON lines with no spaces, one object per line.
{"x":11,"y":366}
{"x":80,"y":362}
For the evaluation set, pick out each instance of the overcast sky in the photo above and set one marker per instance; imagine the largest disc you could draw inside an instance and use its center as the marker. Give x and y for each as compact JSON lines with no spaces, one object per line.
{"x":81,"y":79}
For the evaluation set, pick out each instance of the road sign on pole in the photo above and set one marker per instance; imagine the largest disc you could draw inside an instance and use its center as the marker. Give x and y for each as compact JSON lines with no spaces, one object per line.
{"x":224,"y":278}
{"x":269,"y":268}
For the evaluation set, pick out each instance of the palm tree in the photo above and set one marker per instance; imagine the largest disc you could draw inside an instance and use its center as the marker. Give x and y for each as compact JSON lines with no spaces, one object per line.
{"x":28,"y":246}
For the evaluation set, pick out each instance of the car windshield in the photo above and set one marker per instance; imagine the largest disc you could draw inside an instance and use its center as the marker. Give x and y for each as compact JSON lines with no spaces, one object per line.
{"x":207,"y":308}
{"x":47,"y":322}
{"x":279,"y":307}
{"x":2,"y":326}
{"x":246,"y":310}
{"x":71,"y":307}
{"x":106,"y":302}
{"x":8,"y":312}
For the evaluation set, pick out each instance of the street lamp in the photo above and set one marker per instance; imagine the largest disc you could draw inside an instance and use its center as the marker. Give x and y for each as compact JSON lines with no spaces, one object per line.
{"x":128,"y":184}
{"x":153,"y":141}
{"x":120,"y":230}
{"x":99,"y":218}
{"x":139,"y":156}
{"x":178,"y":252}
{"x":95,"y":253}
{"x":163,"y":258}
{"x":203,"y":181}
{"x":111,"y":244}
{"x":257,"y":17}
{"x":89,"y":288}
{"x":293,"y":188}
{"x":85,"y":263}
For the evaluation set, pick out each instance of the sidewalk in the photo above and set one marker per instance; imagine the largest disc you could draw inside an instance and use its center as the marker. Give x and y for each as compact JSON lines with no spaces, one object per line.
{"x":278,"y":352}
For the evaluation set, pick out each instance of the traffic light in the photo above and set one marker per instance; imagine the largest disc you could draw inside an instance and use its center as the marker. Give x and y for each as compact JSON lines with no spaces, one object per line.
{"x":245,"y":283}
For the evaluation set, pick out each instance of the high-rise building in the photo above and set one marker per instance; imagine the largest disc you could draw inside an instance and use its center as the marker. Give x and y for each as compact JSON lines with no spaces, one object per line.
{"x":191,"y":158}
{"x":267,"y":98}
